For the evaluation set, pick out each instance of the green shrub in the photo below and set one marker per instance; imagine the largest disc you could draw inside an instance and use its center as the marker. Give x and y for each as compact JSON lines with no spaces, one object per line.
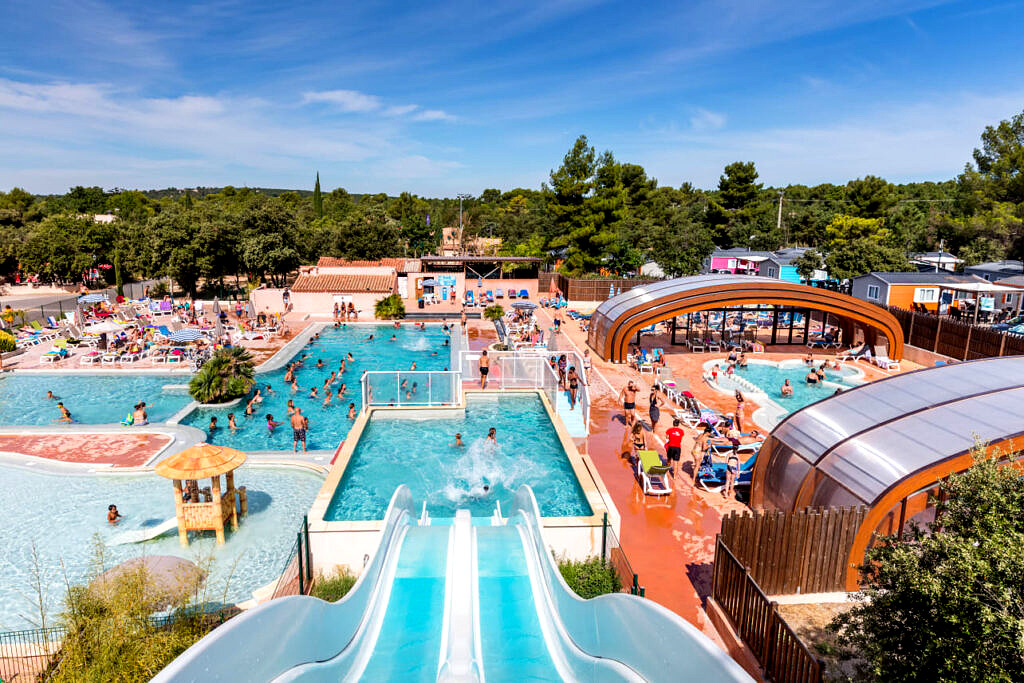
{"x":225,"y":377}
{"x":7,"y":342}
{"x":494,"y":311}
{"x":333,"y":588}
{"x":590,"y":577}
{"x":389,"y":308}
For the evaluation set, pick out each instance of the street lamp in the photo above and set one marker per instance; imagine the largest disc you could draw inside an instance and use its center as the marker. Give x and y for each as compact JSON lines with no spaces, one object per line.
{"x":461,"y":197}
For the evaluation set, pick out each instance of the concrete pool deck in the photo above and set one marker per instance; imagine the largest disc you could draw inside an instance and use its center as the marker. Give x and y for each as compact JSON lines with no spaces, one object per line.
{"x":669,"y":540}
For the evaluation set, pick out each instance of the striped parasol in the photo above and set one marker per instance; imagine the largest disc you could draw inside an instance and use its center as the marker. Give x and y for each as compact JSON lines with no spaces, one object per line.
{"x":188,"y":334}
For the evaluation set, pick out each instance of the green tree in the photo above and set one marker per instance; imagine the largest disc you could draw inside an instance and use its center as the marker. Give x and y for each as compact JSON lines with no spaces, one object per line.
{"x":737,"y":187}
{"x":844,"y":229}
{"x":864,"y":255}
{"x":681,"y":244}
{"x":270,"y":245}
{"x":582,"y":232}
{"x":946,"y":603}
{"x":390,"y":307}
{"x":318,"y":200}
{"x":807,"y":263}
{"x":176,"y":248}
{"x":62,"y":247}
{"x":226,"y":376}
{"x":1000,"y":160}
{"x":869,"y":197}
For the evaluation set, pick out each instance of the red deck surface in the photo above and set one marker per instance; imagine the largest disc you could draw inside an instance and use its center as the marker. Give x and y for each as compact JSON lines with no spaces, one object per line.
{"x":119,"y":450}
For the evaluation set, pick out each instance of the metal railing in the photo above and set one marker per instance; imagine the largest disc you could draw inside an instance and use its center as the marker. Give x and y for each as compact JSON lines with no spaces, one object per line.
{"x":528,"y":369}
{"x":297,"y":575}
{"x":777,"y":647}
{"x":405,"y":388}
{"x":613,"y":554}
{"x":28,"y":653}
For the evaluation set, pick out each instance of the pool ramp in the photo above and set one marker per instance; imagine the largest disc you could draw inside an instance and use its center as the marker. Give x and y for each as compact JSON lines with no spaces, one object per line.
{"x":573,"y":418}
{"x":457,"y":602}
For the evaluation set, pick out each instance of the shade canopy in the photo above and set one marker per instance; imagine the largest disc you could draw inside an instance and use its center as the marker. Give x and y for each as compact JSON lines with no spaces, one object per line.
{"x":186,"y":335}
{"x":105,"y":326}
{"x":200,"y":462}
{"x":429,"y":282}
{"x":524,"y":305}
{"x":92,"y":298}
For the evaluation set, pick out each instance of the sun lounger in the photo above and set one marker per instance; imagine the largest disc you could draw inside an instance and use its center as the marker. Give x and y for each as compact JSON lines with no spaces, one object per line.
{"x":881,"y":358}
{"x":852,"y":353}
{"x":489,"y":294}
{"x":652,"y":474}
{"x":711,"y":475}
{"x":56,"y":354}
{"x":90,"y":357}
{"x":523,"y":294}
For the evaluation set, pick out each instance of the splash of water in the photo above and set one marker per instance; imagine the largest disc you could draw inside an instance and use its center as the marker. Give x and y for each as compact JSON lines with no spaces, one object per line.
{"x":418,"y":343}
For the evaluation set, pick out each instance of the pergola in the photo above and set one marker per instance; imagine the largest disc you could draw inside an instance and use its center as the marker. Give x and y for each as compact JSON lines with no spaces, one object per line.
{"x":200,"y":462}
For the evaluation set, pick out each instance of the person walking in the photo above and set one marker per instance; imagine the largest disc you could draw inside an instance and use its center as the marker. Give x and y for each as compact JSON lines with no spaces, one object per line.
{"x":740,"y":406}
{"x":628,"y":398}
{"x":654,"y":409}
{"x":699,"y":446}
{"x":574,"y":387}
{"x":485,"y":367}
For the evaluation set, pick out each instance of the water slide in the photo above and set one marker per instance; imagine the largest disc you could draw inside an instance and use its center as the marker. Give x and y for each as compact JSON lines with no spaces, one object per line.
{"x":457,"y":601}
{"x":144,"y":533}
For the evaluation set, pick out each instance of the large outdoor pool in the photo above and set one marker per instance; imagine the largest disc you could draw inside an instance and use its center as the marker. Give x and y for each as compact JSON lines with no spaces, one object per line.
{"x":770,"y":377}
{"x":60,"y":516}
{"x":106,"y":399}
{"x":328,"y":425}
{"x":419,"y":452}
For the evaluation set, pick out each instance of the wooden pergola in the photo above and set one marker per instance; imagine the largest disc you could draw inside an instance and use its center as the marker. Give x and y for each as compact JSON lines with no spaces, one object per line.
{"x":218,"y":506}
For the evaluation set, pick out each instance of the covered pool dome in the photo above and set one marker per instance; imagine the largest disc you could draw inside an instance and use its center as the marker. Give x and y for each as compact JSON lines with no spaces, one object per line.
{"x":887,"y":444}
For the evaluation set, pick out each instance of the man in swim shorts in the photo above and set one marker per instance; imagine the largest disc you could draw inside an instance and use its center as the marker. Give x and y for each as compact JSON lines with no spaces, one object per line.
{"x":628,"y":398}
{"x":485,"y":367}
{"x":299,"y":426}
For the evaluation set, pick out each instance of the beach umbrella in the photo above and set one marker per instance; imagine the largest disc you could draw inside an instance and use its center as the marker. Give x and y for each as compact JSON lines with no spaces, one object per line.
{"x":611,"y":291}
{"x":429,"y":282}
{"x":92,"y":298}
{"x":250,"y":310}
{"x":218,"y":326}
{"x":188,"y":334}
{"x":524,"y":305}
{"x":105,"y":326}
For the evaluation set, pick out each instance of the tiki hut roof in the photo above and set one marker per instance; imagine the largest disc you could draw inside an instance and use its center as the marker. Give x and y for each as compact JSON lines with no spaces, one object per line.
{"x":200,"y":462}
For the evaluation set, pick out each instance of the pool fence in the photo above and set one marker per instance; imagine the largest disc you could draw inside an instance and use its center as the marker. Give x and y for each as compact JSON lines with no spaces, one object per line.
{"x":756,"y":618}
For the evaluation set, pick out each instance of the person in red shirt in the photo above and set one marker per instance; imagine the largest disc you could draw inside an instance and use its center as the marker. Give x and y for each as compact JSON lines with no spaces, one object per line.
{"x":674,"y":445}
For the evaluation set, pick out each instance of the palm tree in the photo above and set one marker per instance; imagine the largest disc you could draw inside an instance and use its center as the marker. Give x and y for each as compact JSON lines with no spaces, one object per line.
{"x":389,"y":308}
{"x":494,"y":312}
{"x":226,"y":376}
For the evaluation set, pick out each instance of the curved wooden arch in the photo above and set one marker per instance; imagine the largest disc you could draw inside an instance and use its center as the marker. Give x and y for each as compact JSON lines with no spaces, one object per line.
{"x":617,"y":320}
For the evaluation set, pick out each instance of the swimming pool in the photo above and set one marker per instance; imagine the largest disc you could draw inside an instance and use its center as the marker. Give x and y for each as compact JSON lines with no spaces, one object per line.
{"x":328,"y":425}
{"x":92,"y":399}
{"x":769,"y":378}
{"x":106,"y":399}
{"x":61,"y":514}
{"x":394,"y":449}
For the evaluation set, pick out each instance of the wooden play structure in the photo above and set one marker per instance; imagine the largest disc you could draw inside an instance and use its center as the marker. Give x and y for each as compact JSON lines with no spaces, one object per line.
{"x":217,"y":506}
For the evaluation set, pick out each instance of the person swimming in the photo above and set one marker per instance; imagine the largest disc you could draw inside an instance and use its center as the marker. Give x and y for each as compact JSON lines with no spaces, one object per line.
{"x":65,"y":414}
{"x":113,"y":516}
{"x":458,"y":441}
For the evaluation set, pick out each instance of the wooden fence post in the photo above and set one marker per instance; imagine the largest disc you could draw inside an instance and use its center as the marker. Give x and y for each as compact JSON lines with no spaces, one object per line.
{"x":1002,"y":343}
{"x":967,"y":344}
{"x":938,"y":330}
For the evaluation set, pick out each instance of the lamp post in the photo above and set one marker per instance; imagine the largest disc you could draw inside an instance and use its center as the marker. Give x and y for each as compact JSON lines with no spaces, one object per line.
{"x":461,"y":197}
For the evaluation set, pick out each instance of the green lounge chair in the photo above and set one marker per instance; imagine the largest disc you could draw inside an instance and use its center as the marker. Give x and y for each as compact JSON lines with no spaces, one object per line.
{"x":652,"y":474}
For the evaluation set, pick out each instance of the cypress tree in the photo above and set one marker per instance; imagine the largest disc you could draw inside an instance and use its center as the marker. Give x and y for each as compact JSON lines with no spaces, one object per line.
{"x":318,"y":200}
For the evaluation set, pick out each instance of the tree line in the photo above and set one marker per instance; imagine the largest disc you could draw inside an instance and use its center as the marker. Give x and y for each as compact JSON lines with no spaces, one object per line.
{"x":594,"y":214}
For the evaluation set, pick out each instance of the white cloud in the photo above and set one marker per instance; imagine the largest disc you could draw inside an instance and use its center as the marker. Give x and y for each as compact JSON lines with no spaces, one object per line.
{"x":53,"y":135}
{"x":433,"y":115}
{"x":415,"y":166}
{"x":401,"y":110}
{"x":932,"y":139}
{"x":344,"y":100}
{"x":705,"y":120}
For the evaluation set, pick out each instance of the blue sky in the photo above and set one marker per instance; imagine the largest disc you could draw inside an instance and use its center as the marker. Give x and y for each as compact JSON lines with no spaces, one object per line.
{"x":447,"y":97}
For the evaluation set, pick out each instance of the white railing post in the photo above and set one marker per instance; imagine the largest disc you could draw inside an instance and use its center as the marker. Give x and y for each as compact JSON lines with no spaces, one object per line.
{"x":398,"y":388}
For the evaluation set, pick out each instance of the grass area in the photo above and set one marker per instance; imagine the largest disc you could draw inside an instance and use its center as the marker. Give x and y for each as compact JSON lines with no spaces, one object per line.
{"x":335,"y":587}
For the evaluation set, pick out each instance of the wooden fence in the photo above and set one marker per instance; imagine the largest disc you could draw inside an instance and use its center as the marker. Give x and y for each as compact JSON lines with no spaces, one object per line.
{"x":794,"y":552}
{"x":777,"y":647}
{"x":954,"y":338}
{"x":575,"y":289}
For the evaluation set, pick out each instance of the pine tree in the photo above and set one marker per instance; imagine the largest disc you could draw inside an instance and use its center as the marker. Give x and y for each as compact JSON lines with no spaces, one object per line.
{"x":318,"y":200}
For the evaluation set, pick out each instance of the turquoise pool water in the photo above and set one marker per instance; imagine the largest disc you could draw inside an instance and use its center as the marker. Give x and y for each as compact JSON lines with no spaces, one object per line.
{"x":92,"y":399}
{"x":328,"y":425}
{"x":771,"y":378}
{"x":397,"y":450}
{"x":61,"y":515}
